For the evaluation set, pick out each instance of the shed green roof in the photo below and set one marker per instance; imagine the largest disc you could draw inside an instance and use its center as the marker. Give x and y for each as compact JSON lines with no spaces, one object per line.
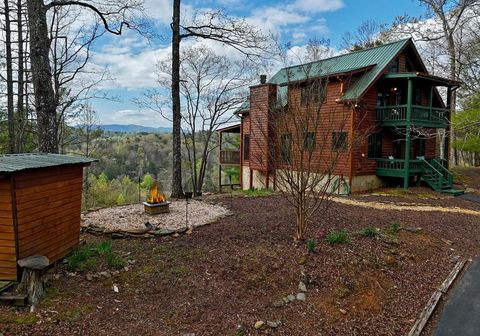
{"x":10,"y":163}
{"x":377,"y":58}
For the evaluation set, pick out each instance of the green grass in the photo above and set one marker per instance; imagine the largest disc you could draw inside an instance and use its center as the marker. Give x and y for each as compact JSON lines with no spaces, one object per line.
{"x":20,"y":319}
{"x":254,"y":192}
{"x":394,"y":227}
{"x":88,"y":257}
{"x":311,"y":245}
{"x":337,"y":237}
{"x":368,"y":232}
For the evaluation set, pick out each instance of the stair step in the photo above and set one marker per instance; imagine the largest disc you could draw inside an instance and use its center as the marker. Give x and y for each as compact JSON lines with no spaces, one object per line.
{"x":453,"y":192}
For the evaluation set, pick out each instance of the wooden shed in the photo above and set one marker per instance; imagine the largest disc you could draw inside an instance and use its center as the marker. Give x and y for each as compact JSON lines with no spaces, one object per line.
{"x":40,"y":207}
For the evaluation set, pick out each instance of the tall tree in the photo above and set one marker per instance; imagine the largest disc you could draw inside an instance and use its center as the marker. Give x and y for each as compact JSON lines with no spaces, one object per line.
{"x":113,"y":16}
{"x":9,"y":78}
{"x":215,"y":26}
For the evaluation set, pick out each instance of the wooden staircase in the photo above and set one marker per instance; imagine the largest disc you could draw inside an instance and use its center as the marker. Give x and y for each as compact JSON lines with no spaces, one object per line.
{"x":439,"y":178}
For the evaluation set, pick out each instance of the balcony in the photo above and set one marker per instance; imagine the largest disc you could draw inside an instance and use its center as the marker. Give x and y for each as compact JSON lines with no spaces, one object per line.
{"x":230,"y":157}
{"x":396,"y":167}
{"x":422,"y":116}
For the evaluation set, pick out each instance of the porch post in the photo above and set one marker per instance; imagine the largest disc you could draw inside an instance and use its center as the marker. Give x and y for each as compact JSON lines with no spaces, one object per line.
{"x":220,"y":161}
{"x":406,"y":169}
{"x":430,"y":103}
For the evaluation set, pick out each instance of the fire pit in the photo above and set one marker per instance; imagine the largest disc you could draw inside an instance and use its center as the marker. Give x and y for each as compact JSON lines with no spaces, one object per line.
{"x":156,"y":202}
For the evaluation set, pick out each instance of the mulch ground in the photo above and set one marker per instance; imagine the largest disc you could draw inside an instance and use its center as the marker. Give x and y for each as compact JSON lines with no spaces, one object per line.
{"x":230,"y":272}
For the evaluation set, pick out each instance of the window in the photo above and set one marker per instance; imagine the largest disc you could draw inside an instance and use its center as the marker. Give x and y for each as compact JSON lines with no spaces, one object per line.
{"x":246,"y":147}
{"x":309,"y":141}
{"x":393,"y":68}
{"x":375,"y":145}
{"x":339,"y":140}
{"x":313,"y":93}
{"x":417,"y":97}
{"x":419,"y":147}
{"x":383,"y":99}
{"x":286,"y":148}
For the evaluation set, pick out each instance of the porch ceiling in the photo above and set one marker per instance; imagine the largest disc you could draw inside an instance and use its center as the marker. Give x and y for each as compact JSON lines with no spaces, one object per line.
{"x":436,"y":80}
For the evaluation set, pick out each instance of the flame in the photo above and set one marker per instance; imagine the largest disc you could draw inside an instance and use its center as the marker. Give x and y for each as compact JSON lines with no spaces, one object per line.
{"x":155,"y":195}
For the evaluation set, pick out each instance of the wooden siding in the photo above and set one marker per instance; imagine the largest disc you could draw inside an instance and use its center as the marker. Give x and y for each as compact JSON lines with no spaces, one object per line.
{"x":334,"y":117}
{"x":246,"y":131}
{"x":48,"y":205}
{"x":8,"y":258}
{"x":261,"y":99}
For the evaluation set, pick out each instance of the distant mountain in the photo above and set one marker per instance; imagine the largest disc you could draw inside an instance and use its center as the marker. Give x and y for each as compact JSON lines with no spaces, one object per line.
{"x":134,"y":128}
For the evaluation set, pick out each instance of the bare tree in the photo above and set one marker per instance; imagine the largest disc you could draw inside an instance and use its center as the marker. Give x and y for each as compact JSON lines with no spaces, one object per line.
{"x":443,"y":27}
{"x":113,"y":16}
{"x":211,"y":25}
{"x":307,"y":139}
{"x":211,"y":87}
{"x":368,"y":35}
{"x":9,"y":76}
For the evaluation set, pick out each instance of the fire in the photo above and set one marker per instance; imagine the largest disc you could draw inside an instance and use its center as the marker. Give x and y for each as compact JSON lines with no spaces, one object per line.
{"x":155,"y":195}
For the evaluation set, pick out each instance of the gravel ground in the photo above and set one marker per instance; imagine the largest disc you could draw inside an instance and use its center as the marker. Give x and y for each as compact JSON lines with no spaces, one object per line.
{"x":131,"y":217}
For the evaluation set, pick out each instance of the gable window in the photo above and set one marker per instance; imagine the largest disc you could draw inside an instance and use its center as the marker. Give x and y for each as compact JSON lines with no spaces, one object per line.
{"x":286,"y":148}
{"x":393,"y":68}
{"x":309,"y":141}
{"x":375,"y":145}
{"x":339,"y":141}
{"x":246,"y":147}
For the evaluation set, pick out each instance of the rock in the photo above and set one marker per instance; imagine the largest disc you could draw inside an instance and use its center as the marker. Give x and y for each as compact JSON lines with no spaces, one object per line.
{"x":176,"y":234}
{"x":274,"y":324}
{"x":414,"y":230}
{"x":286,"y":300}
{"x":126,"y":269}
{"x":241,"y":330}
{"x":446,"y":241}
{"x":89,"y":277}
{"x":131,"y":261}
{"x":343,"y":311}
{"x":278,"y":304}
{"x":105,"y":274}
{"x":301,"y":297}
{"x":302,"y":287}
{"x":259,"y":325}
{"x":115,"y":288}
{"x":291,"y":298}
{"x":35,"y":262}
{"x":117,"y":235}
{"x":163,"y":232}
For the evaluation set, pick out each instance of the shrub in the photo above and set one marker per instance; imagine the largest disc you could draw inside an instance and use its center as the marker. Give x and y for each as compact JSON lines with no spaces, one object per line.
{"x":368,"y":232}
{"x":337,"y":237}
{"x":311,"y":246}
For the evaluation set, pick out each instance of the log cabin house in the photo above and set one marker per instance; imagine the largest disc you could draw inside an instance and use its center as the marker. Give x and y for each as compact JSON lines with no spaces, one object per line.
{"x":40,"y":207}
{"x":386,"y":90}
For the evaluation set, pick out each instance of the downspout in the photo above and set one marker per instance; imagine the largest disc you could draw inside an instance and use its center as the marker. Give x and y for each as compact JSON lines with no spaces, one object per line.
{"x":352,"y":129}
{"x":241,"y":152}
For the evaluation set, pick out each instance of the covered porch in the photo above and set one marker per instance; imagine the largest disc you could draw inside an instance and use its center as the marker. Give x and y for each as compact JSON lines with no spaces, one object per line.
{"x":410,"y":103}
{"x":229,"y":157}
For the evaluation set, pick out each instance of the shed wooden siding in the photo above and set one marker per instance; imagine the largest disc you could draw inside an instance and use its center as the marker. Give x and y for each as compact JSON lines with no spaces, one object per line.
{"x":48,"y":202}
{"x":8,"y":258}
{"x":246,"y":131}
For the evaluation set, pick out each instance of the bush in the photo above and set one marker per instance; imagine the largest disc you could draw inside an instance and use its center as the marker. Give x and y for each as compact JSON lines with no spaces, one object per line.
{"x":337,"y":237}
{"x":368,"y":232}
{"x":311,"y":246}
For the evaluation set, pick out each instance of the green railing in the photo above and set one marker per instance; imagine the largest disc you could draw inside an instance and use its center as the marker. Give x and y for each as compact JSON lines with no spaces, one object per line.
{"x":396,"y":167}
{"x":397,"y":114}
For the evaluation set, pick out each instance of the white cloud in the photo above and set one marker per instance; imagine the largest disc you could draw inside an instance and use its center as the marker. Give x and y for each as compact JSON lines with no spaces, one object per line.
{"x":317,"y":6}
{"x":125,"y":117}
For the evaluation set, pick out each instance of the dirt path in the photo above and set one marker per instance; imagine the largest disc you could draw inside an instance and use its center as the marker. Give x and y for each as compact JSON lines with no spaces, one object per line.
{"x":384,"y":206}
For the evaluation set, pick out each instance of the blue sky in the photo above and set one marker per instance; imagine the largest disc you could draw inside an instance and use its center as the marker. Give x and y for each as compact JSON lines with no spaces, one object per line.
{"x":131,"y":59}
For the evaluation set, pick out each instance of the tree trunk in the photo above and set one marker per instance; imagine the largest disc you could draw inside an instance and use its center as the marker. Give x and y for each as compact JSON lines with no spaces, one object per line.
{"x":21,"y":110}
{"x":8,"y":51}
{"x":42,"y":77}
{"x":177,"y":190}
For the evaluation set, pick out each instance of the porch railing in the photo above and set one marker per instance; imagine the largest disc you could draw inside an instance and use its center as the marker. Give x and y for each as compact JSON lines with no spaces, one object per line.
{"x":415,"y":166}
{"x":230,"y":157}
{"x":398,"y":113}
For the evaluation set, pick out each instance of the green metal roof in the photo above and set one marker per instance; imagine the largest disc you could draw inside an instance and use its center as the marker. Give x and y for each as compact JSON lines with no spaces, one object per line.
{"x":10,"y":163}
{"x":377,"y":58}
